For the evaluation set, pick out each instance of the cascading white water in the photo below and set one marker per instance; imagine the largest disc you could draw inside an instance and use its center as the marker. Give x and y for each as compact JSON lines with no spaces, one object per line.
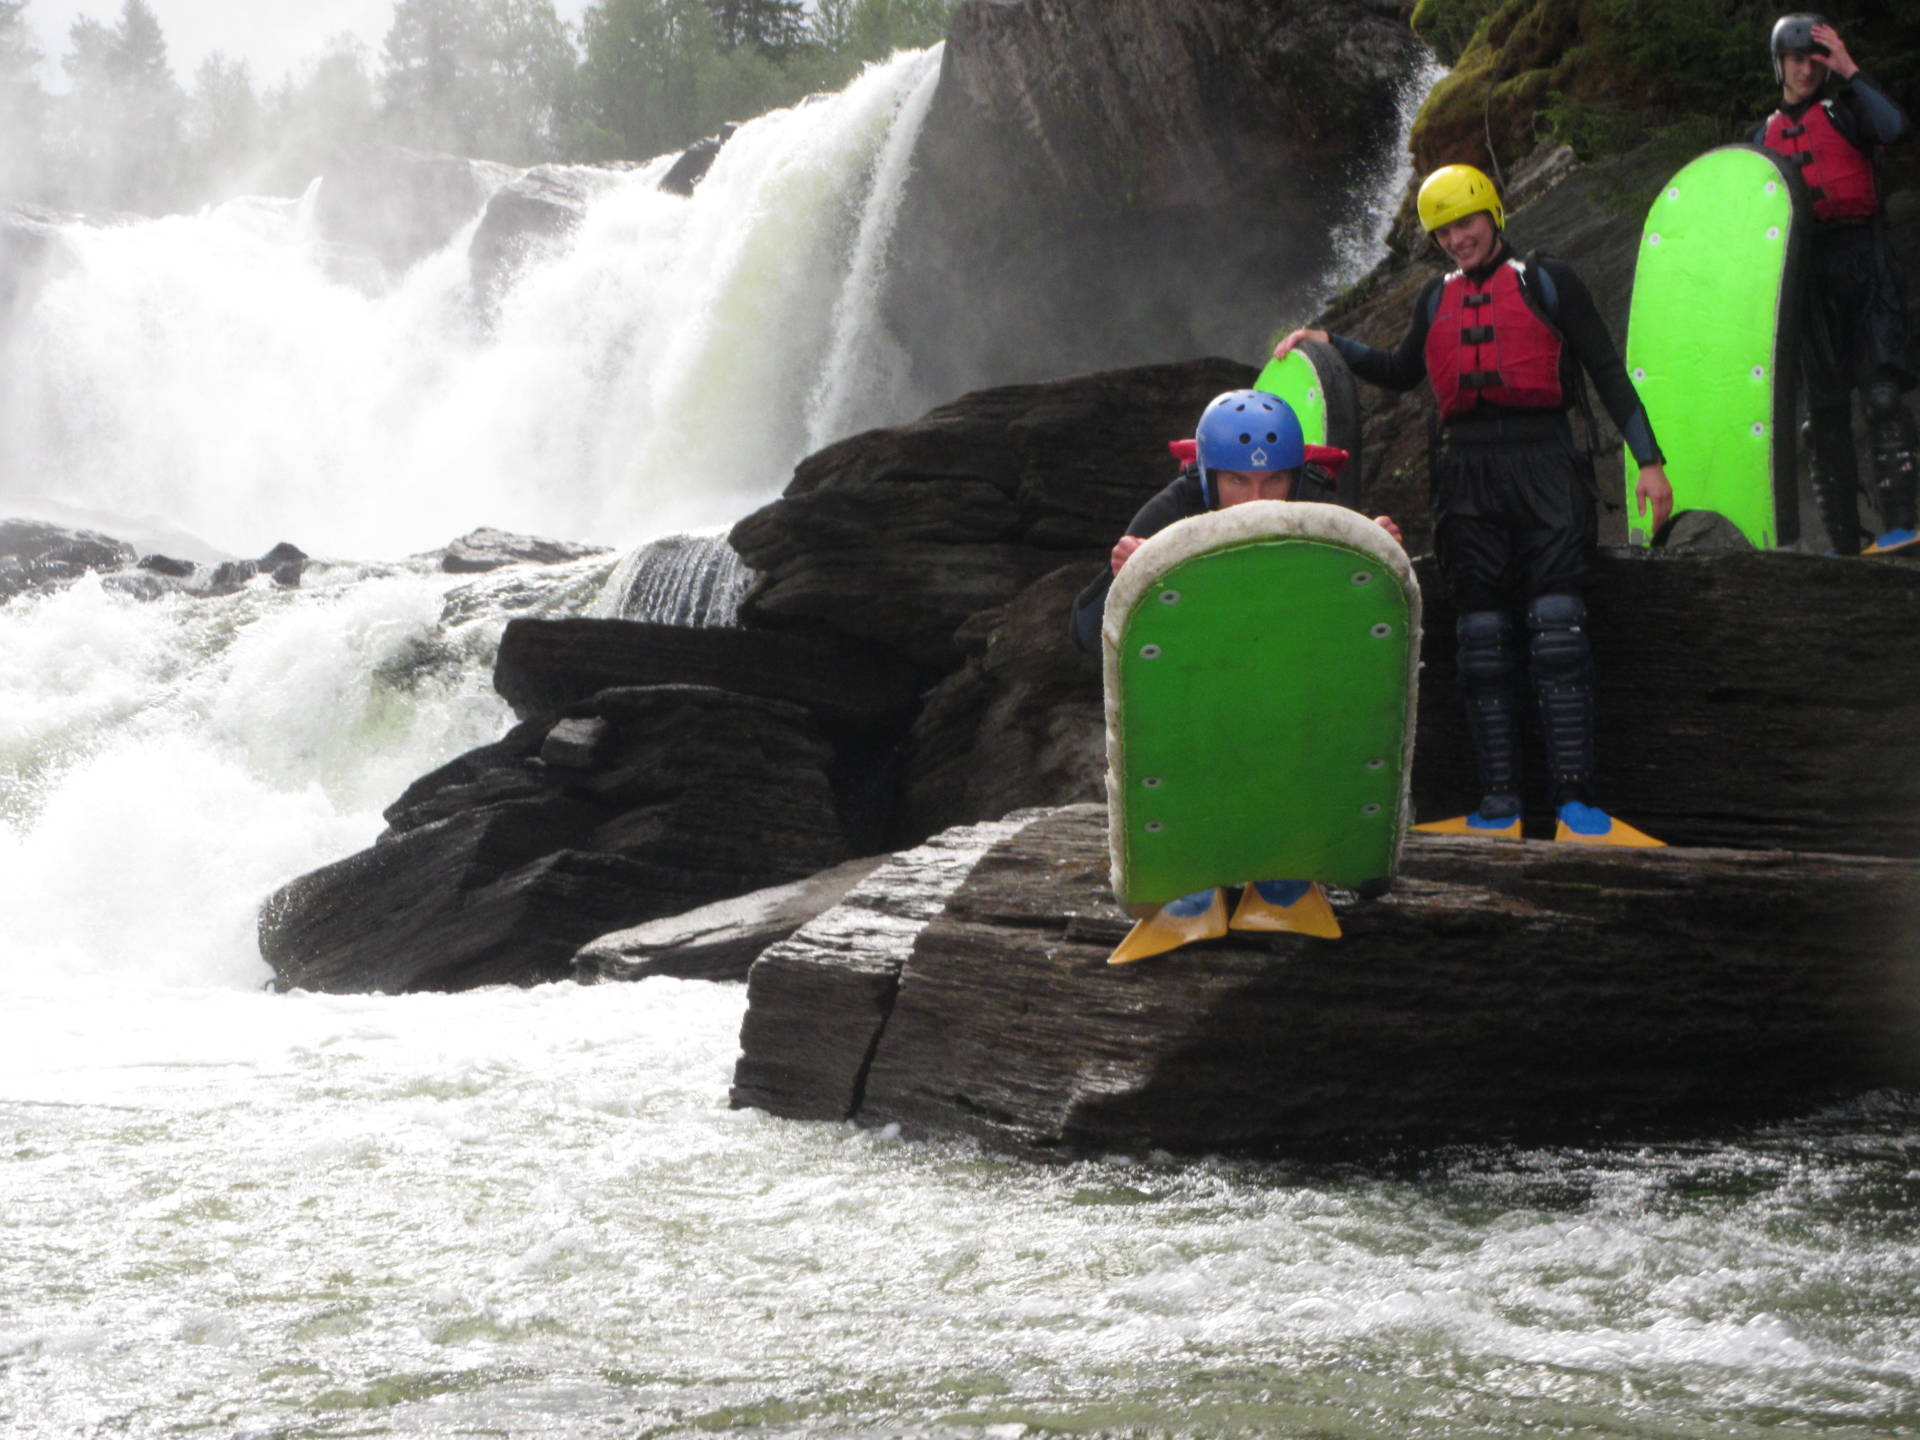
{"x":208,"y":372}
{"x":530,"y":1213}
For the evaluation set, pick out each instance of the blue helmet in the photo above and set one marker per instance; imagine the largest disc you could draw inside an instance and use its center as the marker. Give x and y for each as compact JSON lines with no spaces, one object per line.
{"x":1246,"y":430}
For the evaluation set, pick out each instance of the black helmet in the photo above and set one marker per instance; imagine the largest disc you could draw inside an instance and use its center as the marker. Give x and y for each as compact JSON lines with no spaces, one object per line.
{"x":1793,"y":35}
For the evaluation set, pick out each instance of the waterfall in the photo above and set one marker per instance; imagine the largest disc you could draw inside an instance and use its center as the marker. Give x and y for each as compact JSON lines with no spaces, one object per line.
{"x":210,"y":374}
{"x":678,"y":580}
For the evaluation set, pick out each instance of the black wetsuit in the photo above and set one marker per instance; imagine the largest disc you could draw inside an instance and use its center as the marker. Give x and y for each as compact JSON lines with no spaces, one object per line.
{"x":1177,"y":500}
{"x":1513,"y":500}
{"x":1855,"y":335}
{"x":1515,"y":527}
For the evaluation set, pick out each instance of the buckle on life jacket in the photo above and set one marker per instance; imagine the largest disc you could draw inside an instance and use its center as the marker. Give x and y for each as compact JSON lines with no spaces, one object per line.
{"x":1476,"y":335}
{"x":1479,"y":297}
{"x":1480,"y":379}
{"x":1793,"y":132}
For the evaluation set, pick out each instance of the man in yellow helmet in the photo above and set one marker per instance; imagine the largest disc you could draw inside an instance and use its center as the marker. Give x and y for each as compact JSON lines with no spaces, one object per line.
{"x":1501,"y":340}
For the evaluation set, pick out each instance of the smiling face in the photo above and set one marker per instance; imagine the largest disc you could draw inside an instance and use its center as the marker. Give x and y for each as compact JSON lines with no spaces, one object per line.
{"x":1801,"y":77}
{"x":1236,"y":487}
{"x":1469,"y":243}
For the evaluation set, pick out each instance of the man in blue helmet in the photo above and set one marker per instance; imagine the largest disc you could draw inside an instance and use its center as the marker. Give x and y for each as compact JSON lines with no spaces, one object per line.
{"x":1855,"y":332}
{"x":1502,"y":341}
{"x":1247,"y":446}
{"x":1229,"y":463}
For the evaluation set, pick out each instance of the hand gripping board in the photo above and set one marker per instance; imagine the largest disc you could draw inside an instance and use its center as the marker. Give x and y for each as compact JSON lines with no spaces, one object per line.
{"x":1261,"y":665}
{"x":1711,"y":340}
{"x":1316,"y":382}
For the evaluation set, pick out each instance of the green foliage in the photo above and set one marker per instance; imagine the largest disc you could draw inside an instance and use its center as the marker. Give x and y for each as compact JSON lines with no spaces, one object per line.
{"x":489,"y":78}
{"x":1704,"y":56}
{"x":116,"y":133}
{"x":1592,"y":130}
{"x":22,"y":107}
{"x":773,"y":27}
{"x":1449,"y":26}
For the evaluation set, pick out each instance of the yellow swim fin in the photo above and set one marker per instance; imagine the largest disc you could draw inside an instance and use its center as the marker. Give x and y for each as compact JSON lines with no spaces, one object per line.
{"x":1199,"y":916}
{"x":1474,"y":824}
{"x":1299,"y":907}
{"x":1585,"y":825}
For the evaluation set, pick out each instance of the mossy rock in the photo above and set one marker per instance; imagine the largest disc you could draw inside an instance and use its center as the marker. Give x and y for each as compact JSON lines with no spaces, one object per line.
{"x":1449,"y":26}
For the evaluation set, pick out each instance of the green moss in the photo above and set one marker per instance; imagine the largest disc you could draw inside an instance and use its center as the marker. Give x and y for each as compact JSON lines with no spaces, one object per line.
{"x":1450,"y":26}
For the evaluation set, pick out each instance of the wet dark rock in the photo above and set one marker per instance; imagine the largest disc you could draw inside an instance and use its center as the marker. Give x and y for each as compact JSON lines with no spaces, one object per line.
{"x":544,"y":665}
{"x":818,"y":1002}
{"x":1080,"y":156}
{"x":899,"y":536}
{"x":1021,"y":721}
{"x":285,"y":564}
{"x":401,"y":205}
{"x":531,"y":215}
{"x":719,"y":941}
{"x":691,"y":168}
{"x":1502,"y":992}
{"x":489,"y":549}
{"x":167,"y":566}
{"x":38,"y":556}
{"x":29,"y":244}
{"x":500,"y":865}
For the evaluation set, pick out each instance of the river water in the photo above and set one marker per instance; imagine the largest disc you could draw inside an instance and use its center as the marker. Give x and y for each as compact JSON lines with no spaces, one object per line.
{"x":530,"y":1212}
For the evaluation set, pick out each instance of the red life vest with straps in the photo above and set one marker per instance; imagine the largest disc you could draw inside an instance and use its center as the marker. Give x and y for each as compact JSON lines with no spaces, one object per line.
{"x":1488,"y":345}
{"x":1839,"y":178}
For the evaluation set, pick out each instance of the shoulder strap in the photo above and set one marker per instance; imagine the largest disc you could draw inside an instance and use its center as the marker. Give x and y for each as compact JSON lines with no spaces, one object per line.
{"x":1535,"y":280}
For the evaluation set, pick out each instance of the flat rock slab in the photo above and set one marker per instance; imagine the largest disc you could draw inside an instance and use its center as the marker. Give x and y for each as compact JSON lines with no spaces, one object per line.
{"x":722,"y":940}
{"x":1502,"y":992}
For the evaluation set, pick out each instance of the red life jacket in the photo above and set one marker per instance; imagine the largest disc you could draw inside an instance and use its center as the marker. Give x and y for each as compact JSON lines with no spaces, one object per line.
{"x":1488,"y":345}
{"x":1839,"y":178}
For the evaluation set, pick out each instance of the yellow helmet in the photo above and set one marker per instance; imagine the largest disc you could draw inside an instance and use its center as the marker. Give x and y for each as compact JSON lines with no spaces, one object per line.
{"x":1454,"y":192}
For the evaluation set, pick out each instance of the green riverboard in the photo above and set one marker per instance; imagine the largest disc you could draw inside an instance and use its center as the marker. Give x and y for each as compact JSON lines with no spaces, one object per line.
{"x":1711,"y":340}
{"x":1261,"y":668}
{"x":1316,"y":382}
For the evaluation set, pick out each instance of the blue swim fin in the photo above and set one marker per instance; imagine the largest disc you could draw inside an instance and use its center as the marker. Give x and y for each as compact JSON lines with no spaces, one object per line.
{"x":1586,"y":825}
{"x":1895,"y":542}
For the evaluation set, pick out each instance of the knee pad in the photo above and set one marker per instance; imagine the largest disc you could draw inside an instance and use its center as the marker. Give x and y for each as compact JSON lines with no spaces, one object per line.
{"x":1489,"y":667}
{"x":1557,"y":645}
{"x":1561,"y":661}
{"x":1881,"y":400}
{"x":1487,"y":654}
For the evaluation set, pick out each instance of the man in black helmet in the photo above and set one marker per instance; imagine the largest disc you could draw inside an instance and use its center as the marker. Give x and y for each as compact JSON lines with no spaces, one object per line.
{"x":1855,"y":322}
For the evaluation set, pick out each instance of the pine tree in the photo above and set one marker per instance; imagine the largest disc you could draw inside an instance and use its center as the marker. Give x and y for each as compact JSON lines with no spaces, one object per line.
{"x":479,"y":77}
{"x":642,"y":78}
{"x":120,"y":120}
{"x":22,"y":106}
{"x":773,"y":27}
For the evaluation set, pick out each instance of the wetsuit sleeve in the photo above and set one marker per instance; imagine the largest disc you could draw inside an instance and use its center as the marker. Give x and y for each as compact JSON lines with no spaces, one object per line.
{"x":1175,"y":501}
{"x":1586,"y":335}
{"x":1877,"y":120}
{"x":1405,"y":365}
